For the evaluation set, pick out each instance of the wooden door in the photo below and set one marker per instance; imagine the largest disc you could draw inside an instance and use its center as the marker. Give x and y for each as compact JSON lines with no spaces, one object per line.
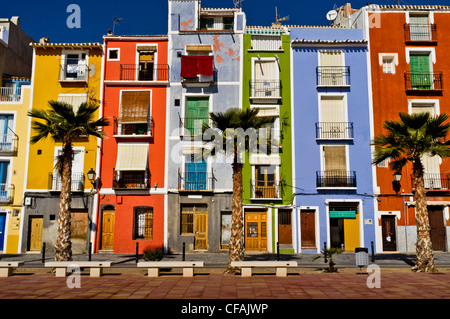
{"x":35,"y":233}
{"x":285,"y":227}
{"x":437,"y":228}
{"x":201,"y":230}
{"x":108,"y":220}
{"x":78,"y":231}
{"x":308,"y":228}
{"x":351,"y":233}
{"x":420,"y":71}
{"x":256,"y":231}
{"x":388,"y":233}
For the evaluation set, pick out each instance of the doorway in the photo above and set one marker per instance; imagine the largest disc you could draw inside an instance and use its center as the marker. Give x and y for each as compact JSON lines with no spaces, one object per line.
{"x":285,"y":227}
{"x":388,"y":233}
{"x":344,"y":226}
{"x":437,"y":227}
{"x":308,"y":228}
{"x":108,"y":220}
{"x":256,"y":231}
{"x":36,"y":226}
{"x":2,"y":230}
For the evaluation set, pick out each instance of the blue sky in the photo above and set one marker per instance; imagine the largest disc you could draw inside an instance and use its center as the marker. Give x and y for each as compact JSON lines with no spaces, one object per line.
{"x":47,"y":18}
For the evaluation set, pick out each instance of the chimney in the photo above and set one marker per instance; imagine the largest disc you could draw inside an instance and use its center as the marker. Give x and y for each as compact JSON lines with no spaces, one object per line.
{"x":44,"y":40}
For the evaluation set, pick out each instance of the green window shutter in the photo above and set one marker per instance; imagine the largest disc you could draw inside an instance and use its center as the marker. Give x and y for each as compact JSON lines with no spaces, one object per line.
{"x":196,"y":109}
{"x":420,"y":71}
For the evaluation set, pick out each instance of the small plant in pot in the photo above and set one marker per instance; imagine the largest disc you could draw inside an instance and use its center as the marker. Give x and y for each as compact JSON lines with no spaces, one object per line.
{"x":153,"y":255}
{"x":328,"y":254}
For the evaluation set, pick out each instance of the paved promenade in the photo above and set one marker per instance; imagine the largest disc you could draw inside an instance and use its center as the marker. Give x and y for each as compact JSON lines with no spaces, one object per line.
{"x":210,"y":286}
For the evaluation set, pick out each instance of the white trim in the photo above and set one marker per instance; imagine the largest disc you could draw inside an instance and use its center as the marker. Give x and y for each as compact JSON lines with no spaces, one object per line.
{"x":434,"y":102}
{"x":379,"y":227}
{"x":316,"y":226}
{"x":118,"y":54}
{"x":344,"y":101}
{"x":429,"y":50}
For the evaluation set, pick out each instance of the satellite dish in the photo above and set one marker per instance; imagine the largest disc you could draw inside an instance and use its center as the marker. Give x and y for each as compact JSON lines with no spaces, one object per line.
{"x":331,"y":15}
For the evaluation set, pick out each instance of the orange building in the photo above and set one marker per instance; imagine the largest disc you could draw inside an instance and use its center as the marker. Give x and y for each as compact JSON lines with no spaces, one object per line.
{"x":130,"y":202}
{"x":409,"y":62}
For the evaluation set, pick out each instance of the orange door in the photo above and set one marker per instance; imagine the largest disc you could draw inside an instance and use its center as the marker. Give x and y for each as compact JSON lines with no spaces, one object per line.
{"x":256,"y":231}
{"x":108,"y":229}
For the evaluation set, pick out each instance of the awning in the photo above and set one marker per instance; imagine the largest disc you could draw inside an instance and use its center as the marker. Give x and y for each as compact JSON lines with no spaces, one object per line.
{"x":343,"y":214}
{"x":132,"y":157}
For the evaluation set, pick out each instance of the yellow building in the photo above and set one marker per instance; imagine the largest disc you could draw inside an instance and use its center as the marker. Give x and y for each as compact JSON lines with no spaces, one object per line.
{"x":69,"y":73}
{"x":14,"y":105}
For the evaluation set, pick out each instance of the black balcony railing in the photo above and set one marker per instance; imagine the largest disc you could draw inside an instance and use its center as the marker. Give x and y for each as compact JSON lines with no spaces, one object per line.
{"x":424,"y":81}
{"x":333,"y":75}
{"x":136,"y":72}
{"x":131,"y":179}
{"x":434,"y":181}
{"x":334,"y":130}
{"x":196,"y":181}
{"x":335,"y":179}
{"x":265,"y":88}
{"x":420,"y":32}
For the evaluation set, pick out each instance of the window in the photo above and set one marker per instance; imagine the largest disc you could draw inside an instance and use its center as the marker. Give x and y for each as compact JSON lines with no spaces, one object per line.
{"x":388,"y":65}
{"x":196,"y":114}
{"x":420,"y":67}
{"x":113,"y":54}
{"x":419,"y":27}
{"x":216,"y":23}
{"x":74,"y":66}
{"x":266,"y":185}
{"x":333,"y":118}
{"x":7,"y":135}
{"x":77,"y":169}
{"x":331,"y":70}
{"x":265,"y":82}
{"x":131,"y":169}
{"x":195,"y":173}
{"x":73,"y":99}
{"x":134,"y":116}
{"x":143,"y":223}
{"x":266,"y":42}
{"x":197,"y":67}
{"x":190,"y":215}
{"x":146,"y":65}
{"x":334,"y":168}
{"x":5,"y":187}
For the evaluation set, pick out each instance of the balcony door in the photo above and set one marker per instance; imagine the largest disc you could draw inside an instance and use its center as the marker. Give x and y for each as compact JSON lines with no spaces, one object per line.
{"x":421,"y":77}
{"x":197,"y":114}
{"x":146,"y":64}
{"x":331,"y":68}
{"x":6,"y":132}
{"x":77,"y":170}
{"x":265,"y":182}
{"x":196,"y":174}
{"x":419,"y":28}
{"x":4,"y":187}
{"x":266,"y":79}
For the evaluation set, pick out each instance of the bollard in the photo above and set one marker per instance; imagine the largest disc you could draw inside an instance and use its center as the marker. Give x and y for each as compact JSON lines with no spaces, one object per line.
{"x":373,"y":253}
{"x":43,"y":252}
{"x":324,"y":249}
{"x":184,"y":251}
{"x":90,"y":251}
{"x":137,"y":252}
{"x":278,"y":251}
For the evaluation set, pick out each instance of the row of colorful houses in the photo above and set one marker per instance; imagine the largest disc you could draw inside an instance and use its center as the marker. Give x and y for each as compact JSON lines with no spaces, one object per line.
{"x":328,"y":90}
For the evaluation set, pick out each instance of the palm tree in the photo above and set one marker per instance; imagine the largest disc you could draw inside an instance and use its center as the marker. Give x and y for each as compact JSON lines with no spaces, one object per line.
{"x":64,"y":125}
{"x":408,"y":140}
{"x":234,"y":129}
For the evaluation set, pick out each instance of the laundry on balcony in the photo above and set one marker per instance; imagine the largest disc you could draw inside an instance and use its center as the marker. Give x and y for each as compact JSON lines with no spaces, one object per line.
{"x":193,"y":66}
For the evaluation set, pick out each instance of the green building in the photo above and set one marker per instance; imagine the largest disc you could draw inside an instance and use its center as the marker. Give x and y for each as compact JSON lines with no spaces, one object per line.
{"x":267,"y":175}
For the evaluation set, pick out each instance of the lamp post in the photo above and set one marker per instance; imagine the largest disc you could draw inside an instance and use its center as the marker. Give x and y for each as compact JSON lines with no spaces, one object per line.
{"x":396,"y":183}
{"x":91,"y":176}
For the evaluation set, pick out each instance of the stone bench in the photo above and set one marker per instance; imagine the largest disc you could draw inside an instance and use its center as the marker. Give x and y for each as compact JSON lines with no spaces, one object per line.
{"x":96,"y":267}
{"x":280,"y":266}
{"x":6,"y":267}
{"x":155,"y":266}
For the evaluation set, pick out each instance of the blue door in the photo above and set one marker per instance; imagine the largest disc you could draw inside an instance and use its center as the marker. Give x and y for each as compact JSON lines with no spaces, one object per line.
{"x":2,"y":230}
{"x":196,"y":179}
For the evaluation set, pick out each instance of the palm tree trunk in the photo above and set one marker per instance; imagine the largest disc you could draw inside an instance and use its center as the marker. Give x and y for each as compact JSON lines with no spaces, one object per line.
{"x":424,"y":250}
{"x":63,"y":246}
{"x":236,"y":247}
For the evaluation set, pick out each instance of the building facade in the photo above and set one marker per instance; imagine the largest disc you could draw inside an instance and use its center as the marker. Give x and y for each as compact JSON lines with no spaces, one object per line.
{"x":205,"y":58}
{"x":68,"y":73}
{"x":131,"y":192}
{"x":267,"y":172}
{"x":408,"y":62}
{"x":332,"y":136}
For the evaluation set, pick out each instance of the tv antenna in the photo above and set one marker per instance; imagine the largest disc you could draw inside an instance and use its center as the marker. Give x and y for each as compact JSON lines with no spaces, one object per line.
{"x":277,"y":17}
{"x":238,"y":3}
{"x":116,"y":21}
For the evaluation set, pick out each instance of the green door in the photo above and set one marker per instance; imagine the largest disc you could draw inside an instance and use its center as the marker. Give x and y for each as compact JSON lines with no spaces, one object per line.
{"x":421,"y":77}
{"x":197,"y":113}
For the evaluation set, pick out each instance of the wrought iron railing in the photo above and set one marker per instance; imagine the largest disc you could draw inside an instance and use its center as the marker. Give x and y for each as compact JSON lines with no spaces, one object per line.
{"x":8,"y":143}
{"x":74,"y":72}
{"x":420,"y":32}
{"x":424,"y":81}
{"x":134,"y":72}
{"x":335,"y":179}
{"x":6,"y":193}
{"x":76,"y":185}
{"x":333,"y":75}
{"x":266,"y":192}
{"x":265,"y":88}
{"x":131,"y":179}
{"x":134,"y":129}
{"x":434,"y":181}
{"x":10,"y":94}
{"x":334,"y":130}
{"x":196,"y":181}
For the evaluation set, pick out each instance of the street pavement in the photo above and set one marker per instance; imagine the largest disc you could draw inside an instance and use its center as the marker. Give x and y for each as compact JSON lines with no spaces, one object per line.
{"x":211,"y":287}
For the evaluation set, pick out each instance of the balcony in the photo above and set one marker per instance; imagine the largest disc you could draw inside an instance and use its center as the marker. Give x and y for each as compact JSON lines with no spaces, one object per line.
{"x":8,"y":144}
{"x":131,"y":180}
{"x":420,"y":33}
{"x":268,"y":91}
{"x":334,"y":130}
{"x":196,"y":181}
{"x":10,"y":94}
{"x":330,"y":76}
{"x":192,"y":126}
{"x":434,"y":182}
{"x":76,"y":186}
{"x":424,"y":81}
{"x":74,"y":73}
{"x":136,"y":72}
{"x":266,"y":192}
{"x":133,"y":130}
{"x":336,"y":179}
{"x":6,"y":193}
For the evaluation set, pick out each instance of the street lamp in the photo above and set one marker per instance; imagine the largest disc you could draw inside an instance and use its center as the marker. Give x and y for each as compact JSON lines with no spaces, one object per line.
{"x":396,"y":183}
{"x":91,"y":176}
{"x":397,"y":176}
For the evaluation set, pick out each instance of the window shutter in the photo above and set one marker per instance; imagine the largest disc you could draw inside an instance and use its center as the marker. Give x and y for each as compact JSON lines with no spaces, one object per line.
{"x":335,"y":158}
{"x":332,"y":109}
{"x":331,"y":58}
{"x":135,"y":107}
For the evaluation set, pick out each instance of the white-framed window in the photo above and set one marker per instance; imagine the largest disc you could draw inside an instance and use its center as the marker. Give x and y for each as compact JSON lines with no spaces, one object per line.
{"x":77,"y":169}
{"x":73,"y":99}
{"x":113,"y":54}
{"x":388,"y":62}
{"x":74,"y":66}
{"x":333,"y":118}
{"x":266,"y":78}
{"x":332,"y":70}
{"x":135,"y":113}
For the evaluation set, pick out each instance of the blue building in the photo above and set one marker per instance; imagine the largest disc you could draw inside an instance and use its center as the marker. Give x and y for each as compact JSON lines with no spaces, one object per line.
{"x":333,"y":175}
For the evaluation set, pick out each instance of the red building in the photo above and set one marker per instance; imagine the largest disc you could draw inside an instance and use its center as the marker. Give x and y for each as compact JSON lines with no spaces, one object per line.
{"x":409,"y":61}
{"x":130,"y":205}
